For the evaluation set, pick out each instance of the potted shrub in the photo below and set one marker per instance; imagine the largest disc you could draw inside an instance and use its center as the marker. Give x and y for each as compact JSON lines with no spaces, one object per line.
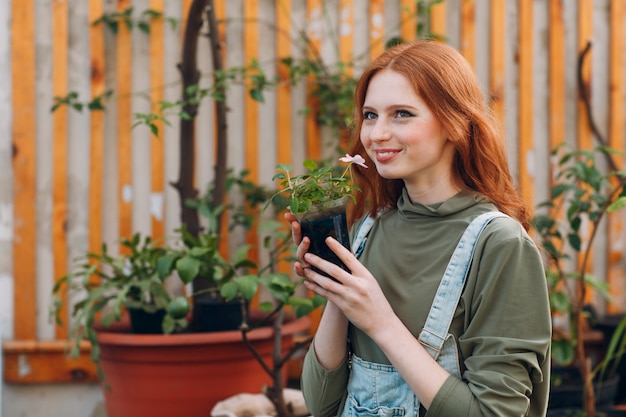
{"x":171,"y":369}
{"x":582,"y":195}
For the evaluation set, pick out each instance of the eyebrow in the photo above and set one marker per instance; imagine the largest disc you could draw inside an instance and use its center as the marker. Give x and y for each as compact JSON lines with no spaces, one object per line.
{"x":392,"y":107}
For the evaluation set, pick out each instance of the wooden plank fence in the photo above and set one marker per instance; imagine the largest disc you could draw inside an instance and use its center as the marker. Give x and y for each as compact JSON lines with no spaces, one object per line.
{"x":73,"y":179}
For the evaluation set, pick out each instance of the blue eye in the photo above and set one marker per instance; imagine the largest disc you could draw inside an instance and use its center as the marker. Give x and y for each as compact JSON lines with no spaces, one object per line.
{"x":368,"y":115}
{"x":403,"y":113}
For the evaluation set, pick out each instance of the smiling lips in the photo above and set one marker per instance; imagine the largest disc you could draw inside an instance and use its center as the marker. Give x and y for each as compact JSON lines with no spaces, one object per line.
{"x":385,"y":155}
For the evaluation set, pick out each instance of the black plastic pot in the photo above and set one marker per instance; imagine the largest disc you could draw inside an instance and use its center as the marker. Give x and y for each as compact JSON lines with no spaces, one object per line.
{"x":142,"y":322}
{"x":213,"y":315}
{"x":322,"y":222}
{"x":568,"y":393}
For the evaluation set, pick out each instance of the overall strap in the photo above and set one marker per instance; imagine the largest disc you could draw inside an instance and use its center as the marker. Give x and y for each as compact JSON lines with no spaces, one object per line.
{"x":358,"y":244}
{"x":449,"y":292}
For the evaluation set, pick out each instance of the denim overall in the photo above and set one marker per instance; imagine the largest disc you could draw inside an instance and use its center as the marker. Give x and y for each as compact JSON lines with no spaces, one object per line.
{"x":379,"y":390}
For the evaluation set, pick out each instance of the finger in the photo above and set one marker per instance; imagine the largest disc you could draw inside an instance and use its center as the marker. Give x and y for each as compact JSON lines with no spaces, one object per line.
{"x":336,"y":272}
{"x":299,"y":268}
{"x":296,"y":231}
{"x":313,"y":286}
{"x":345,"y":255}
{"x":303,"y":248}
{"x":321,"y":284}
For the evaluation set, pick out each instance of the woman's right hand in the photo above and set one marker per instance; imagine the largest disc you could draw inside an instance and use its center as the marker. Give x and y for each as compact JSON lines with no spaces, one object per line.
{"x":303,"y":243}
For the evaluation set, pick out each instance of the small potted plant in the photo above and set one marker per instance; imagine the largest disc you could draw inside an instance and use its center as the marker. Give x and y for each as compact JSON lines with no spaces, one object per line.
{"x":318,"y":198}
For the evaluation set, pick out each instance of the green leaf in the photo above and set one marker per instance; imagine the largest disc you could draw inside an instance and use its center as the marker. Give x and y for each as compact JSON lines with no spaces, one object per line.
{"x":144,"y":27}
{"x":165,"y":265}
{"x":284,"y":167}
{"x":169,"y":324}
{"x":240,"y":254}
{"x":247,"y":285}
{"x":617,"y":204}
{"x":559,"y":301}
{"x":559,"y":189}
{"x":266,"y":306}
{"x":602,"y":287}
{"x":229,"y":291}
{"x":574,"y":241}
{"x":198,"y":252}
{"x":279,"y":284}
{"x":257,"y":95}
{"x":562,"y":351}
{"x":188,"y":268}
{"x":310,"y":164}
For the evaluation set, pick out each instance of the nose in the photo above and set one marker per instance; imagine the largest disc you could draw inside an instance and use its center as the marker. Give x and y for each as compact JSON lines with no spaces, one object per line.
{"x":380,"y":131}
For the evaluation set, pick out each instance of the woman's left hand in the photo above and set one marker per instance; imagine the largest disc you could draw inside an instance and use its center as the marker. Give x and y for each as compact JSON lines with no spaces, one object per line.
{"x":357,"y":294}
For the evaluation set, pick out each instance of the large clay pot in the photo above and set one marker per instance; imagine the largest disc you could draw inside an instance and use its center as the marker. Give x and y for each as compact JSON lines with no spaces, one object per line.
{"x":183,"y":374}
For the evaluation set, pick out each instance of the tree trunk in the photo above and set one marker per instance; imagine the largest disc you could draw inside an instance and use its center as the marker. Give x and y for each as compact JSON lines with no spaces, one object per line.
{"x":190,"y":78}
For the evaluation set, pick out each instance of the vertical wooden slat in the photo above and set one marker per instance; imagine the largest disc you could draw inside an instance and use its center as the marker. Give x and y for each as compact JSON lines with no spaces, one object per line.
{"x":615,"y":227}
{"x":251,"y":52}
{"x":59,"y":157}
{"x":438,"y":20}
{"x":585,"y":16}
{"x":346,"y":32}
{"x":525,"y":119}
{"x":313,"y":134}
{"x":96,"y":43}
{"x":185,"y":5}
{"x":24,"y":168}
{"x":157,"y":144}
{"x":220,"y":15}
{"x":283,"y":93}
{"x":346,"y":48}
{"x":408,"y":17}
{"x":468,"y":30}
{"x":377,"y":27}
{"x":497,"y":57}
{"x":124,"y":120}
{"x":585,"y":138}
{"x":556,"y":74}
{"x":556,"y":85}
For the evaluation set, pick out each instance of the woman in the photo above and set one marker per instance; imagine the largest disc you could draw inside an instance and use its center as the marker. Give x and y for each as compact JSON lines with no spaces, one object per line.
{"x":440,"y":162}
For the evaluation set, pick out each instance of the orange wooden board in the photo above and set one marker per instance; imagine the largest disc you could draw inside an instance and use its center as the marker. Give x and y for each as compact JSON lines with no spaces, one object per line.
{"x":34,"y":361}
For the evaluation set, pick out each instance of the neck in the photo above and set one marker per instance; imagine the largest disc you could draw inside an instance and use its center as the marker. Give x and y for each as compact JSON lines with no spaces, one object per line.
{"x":433,"y":193}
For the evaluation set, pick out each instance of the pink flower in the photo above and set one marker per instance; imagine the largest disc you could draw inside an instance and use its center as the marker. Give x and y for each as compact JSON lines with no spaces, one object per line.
{"x":356,"y":159}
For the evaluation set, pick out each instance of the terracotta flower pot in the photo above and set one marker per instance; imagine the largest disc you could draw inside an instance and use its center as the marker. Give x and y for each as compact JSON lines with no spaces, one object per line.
{"x":183,"y":374}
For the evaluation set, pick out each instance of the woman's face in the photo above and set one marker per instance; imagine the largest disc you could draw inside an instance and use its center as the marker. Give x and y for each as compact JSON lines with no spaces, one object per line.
{"x":403,"y":137}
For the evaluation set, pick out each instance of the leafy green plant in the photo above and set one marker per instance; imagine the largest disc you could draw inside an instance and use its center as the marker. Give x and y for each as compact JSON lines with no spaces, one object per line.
{"x":104,"y":285}
{"x":319,"y":184}
{"x":583,"y":194}
{"x":125,"y":17}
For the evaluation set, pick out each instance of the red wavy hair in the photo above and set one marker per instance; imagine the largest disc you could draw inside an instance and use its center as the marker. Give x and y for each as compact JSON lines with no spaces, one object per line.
{"x":446,"y":82}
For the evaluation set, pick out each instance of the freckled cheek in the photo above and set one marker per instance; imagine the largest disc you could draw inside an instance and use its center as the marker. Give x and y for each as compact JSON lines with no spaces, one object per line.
{"x":364,"y":137}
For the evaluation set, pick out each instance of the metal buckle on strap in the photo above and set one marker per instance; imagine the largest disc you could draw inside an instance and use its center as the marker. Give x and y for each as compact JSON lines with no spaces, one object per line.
{"x":428,"y":342}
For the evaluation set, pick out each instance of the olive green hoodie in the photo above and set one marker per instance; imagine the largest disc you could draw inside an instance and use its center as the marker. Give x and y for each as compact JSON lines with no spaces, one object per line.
{"x":502,"y":323}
